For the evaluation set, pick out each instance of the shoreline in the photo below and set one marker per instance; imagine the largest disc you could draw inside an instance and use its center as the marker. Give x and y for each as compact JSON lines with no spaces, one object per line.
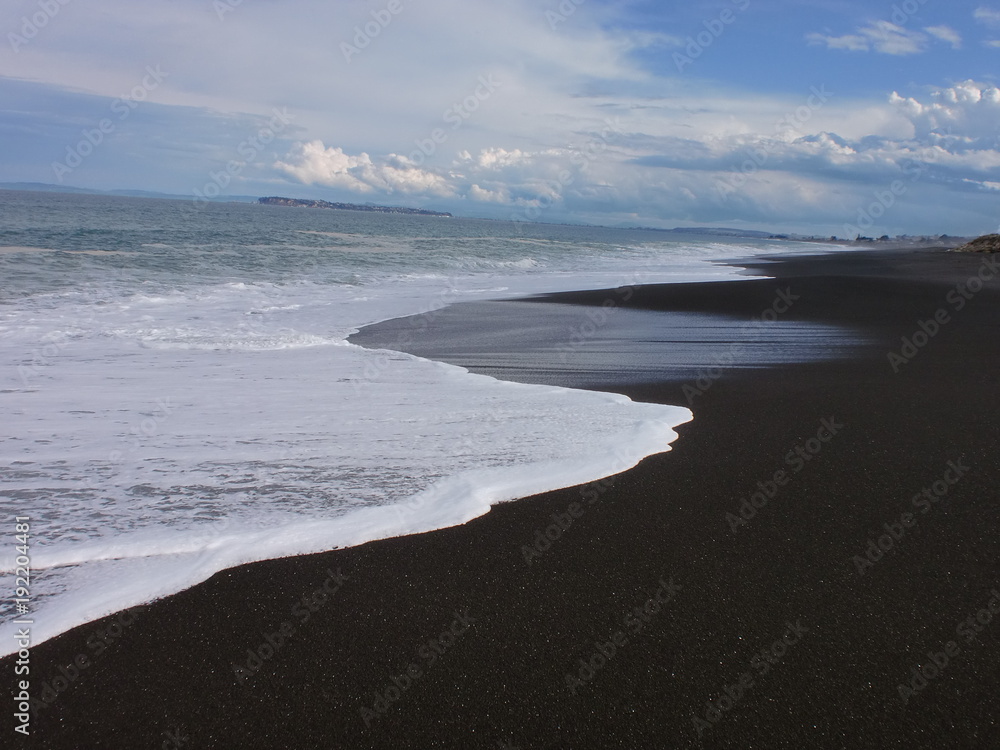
{"x":646,"y":572}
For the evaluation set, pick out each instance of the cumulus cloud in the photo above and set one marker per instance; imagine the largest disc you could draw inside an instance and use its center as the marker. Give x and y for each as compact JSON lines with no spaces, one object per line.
{"x":493,"y":158}
{"x":483,"y":195}
{"x":539,"y":140}
{"x":313,"y":163}
{"x":962,"y":116}
{"x":816,"y":161}
{"x":953,"y":132}
{"x":881,"y":36}
{"x":953,"y":144}
{"x":514,"y":178}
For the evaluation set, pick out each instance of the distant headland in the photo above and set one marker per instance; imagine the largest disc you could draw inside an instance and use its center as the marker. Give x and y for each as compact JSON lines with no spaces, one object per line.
{"x":988,"y":243}
{"x":297,"y":202}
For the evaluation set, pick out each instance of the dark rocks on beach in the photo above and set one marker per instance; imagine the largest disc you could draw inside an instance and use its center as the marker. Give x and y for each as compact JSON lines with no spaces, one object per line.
{"x":988,"y":243}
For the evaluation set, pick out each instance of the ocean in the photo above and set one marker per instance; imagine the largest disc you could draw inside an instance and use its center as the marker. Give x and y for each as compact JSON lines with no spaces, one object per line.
{"x":179,"y":395}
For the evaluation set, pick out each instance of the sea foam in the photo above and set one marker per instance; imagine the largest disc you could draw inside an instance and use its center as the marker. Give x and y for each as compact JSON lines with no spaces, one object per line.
{"x":189,"y":408}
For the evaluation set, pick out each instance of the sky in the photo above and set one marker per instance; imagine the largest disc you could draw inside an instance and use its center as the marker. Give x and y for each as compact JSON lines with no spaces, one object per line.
{"x":825,"y":117}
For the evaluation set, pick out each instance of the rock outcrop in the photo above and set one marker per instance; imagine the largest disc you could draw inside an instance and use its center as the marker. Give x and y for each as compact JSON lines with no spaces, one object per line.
{"x":988,"y":243}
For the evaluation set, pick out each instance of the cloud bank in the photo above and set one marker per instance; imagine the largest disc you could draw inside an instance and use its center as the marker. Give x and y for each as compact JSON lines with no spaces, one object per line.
{"x":554,"y":111}
{"x":799,"y":163}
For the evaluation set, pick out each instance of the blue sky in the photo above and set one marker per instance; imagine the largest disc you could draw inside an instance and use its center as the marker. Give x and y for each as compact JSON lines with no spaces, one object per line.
{"x":820,"y":116}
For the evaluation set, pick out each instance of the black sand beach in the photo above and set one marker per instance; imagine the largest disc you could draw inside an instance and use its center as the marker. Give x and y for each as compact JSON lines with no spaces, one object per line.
{"x":680,"y":622}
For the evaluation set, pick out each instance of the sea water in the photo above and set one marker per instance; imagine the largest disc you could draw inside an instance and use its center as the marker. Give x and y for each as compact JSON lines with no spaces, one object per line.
{"x":178,"y":395}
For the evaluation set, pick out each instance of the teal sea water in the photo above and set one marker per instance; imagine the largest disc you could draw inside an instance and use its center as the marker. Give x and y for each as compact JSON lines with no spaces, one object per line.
{"x":179,"y":396}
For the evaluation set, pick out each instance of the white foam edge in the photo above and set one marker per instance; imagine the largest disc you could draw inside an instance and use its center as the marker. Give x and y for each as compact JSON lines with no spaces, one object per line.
{"x":449,"y":502}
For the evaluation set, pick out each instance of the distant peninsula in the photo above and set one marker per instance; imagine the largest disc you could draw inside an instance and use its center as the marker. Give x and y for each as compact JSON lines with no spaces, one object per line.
{"x":297,"y":202}
{"x":988,"y":243}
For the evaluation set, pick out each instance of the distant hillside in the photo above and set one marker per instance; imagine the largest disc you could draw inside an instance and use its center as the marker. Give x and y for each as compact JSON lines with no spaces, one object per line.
{"x":299,"y":203}
{"x":724,"y":232}
{"x":44,"y":187}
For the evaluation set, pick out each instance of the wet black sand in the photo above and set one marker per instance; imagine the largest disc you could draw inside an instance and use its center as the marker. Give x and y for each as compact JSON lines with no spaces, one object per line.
{"x":492,"y":637}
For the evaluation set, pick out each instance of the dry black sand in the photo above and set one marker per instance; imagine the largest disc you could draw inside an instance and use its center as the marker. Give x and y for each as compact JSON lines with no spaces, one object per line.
{"x":659,"y":531}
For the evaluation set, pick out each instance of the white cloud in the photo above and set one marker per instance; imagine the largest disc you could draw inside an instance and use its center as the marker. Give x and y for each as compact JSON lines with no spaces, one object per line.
{"x":823,"y":165}
{"x":644,"y":39}
{"x":987,"y":16}
{"x":849,"y":42}
{"x":881,"y":36}
{"x":992,"y":43}
{"x":312,"y":163}
{"x":428,"y":58}
{"x":483,"y":195}
{"x":536,"y":142}
{"x":494,"y":158}
{"x":964,"y":115}
{"x":513,"y":178}
{"x":946,"y":34}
